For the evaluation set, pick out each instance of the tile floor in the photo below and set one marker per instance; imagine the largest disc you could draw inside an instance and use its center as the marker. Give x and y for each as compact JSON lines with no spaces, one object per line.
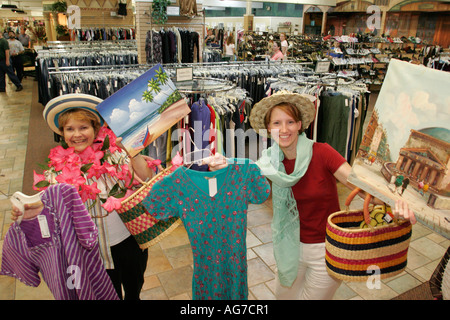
{"x":169,"y":269}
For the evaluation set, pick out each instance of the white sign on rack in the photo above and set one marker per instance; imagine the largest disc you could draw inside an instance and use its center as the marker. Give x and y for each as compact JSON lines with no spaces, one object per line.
{"x":184,"y":74}
{"x":173,"y":11}
{"x":322,"y":66}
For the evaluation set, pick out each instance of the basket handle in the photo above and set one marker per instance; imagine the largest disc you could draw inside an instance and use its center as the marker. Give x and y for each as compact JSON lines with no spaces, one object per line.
{"x":367,"y":200}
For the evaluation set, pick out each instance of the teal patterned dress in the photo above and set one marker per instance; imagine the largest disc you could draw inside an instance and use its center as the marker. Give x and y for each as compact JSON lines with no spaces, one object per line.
{"x":216,"y":225}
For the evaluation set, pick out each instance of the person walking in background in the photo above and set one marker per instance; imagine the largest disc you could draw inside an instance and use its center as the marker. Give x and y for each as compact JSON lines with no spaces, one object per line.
{"x":6,"y":67}
{"x":24,"y":38}
{"x":16,"y":51}
{"x":284,"y":44}
{"x":230,"y":50}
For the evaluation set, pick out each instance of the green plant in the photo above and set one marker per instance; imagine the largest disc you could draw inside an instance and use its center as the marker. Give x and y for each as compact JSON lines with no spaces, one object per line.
{"x":59,"y":6}
{"x":159,"y":11}
{"x":62,"y":30}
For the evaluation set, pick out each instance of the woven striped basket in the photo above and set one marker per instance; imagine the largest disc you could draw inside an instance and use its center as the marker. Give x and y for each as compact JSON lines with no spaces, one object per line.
{"x":142,"y":225}
{"x":355,"y":254}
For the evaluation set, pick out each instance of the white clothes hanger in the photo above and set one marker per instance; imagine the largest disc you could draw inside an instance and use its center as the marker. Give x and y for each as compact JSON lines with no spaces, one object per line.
{"x":19,"y":200}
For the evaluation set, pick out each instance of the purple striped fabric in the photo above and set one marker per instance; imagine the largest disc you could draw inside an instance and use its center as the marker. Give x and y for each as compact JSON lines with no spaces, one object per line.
{"x":69,"y":260}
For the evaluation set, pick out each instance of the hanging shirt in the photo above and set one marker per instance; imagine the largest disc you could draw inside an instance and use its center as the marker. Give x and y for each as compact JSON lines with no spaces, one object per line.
{"x":68,"y":259}
{"x":199,"y":123}
{"x":216,"y":224}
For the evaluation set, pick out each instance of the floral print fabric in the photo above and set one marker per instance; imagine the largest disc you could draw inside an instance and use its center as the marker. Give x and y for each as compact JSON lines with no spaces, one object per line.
{"x":216,"y":226}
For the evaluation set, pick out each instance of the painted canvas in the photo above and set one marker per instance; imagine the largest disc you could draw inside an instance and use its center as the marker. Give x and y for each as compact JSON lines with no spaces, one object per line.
{"x":144,"y":109}
{"x":405,"y":150}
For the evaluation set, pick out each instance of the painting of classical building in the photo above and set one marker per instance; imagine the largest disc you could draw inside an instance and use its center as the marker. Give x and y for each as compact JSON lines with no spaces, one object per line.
{"x":405,"y":149}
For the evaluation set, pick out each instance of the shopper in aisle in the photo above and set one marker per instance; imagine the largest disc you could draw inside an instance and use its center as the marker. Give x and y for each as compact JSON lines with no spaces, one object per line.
{"x":73,"y":116}
{"x":277,"y":54}
{"x":16,"y":50}
{"x":230,"y":50}
{"x":304,"y":194}
{"x":24,"y":38}
{"x":6,"y":67}
{"x":284,"y":44}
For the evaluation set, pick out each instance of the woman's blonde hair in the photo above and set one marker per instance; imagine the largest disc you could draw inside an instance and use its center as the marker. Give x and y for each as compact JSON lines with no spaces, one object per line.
{"x":79,"y":115}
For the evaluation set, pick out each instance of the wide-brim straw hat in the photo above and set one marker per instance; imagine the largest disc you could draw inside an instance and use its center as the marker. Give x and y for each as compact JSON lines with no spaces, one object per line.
{"x":259,"y":110}
{"x":57,"y":106}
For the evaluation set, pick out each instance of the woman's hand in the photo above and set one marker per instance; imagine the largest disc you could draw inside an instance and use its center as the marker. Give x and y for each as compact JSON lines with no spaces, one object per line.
{"x":31,"y":211}
{"x":402,"y":211}
{"x":216,"y":162}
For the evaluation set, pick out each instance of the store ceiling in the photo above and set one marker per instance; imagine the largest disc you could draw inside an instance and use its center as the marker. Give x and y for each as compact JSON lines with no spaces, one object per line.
{"x":30,"y":7}
{"x":34,"y":8}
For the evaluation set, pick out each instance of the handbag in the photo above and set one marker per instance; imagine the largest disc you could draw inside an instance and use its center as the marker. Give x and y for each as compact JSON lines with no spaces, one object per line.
{"x":145,"y":228}
{"x":354,"y":253}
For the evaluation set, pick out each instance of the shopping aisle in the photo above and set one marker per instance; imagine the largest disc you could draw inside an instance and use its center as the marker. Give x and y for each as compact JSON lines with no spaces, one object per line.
{"x":169,"y":270}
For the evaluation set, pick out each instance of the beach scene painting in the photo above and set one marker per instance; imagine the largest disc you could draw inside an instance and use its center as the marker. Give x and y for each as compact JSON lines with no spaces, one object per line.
{"x":144,"y":109}
{"x":405,"y":150}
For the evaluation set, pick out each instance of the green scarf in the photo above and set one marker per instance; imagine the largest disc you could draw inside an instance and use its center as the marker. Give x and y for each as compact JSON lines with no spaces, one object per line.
{"x":285,"y":223}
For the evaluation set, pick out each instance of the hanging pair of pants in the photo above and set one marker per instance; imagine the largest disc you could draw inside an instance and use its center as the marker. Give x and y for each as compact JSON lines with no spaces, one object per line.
{"x":313,"y":281}
{"x":130,"y":262}
{"x":4,"y":69}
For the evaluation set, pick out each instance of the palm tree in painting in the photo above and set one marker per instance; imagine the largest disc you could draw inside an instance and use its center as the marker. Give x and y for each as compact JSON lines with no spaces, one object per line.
{"x":154,"y":85}
{"x":162,"y":77}
{"x":147,"y":96}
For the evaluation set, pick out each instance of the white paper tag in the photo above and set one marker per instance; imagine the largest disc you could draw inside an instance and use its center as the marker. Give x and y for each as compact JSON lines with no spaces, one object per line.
{"x":45,"y":232}
{"x":212,"y":183}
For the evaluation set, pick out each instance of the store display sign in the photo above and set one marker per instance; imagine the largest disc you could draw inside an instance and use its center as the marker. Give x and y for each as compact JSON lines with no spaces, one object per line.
{"x":322,"y":66}
{"x":405,"y":149}
{"x":173,"y":11}
{"x":184,"y":74}
{"x":144,"y":109}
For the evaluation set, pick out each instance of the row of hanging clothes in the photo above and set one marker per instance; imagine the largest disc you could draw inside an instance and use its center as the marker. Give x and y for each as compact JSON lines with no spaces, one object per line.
{"x":97,"y":82}
{"x":341,"y":107}
{"x":172,"y":45}
{"x":103,"y":33}
{"x":249,"y":76}
{"x":75,"y":57}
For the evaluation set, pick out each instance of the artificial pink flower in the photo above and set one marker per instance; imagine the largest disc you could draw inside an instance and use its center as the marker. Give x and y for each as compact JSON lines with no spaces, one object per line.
{"x":60,"y":157}
{"x":71,"y":176}
{"x":36,"y":179}
{"x":89,"y":191}
{"x":152,"y":164}
{"x":111,"y":204}
{"x":90,"y":156}
{"x":96,"y":170}
{"x":104,"y":131}
{"x":110,"y":169}
{"x":177,"y":161}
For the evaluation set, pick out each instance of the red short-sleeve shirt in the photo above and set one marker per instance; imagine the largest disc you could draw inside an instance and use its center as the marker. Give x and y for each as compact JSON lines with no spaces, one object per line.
{"x":316,"y":192}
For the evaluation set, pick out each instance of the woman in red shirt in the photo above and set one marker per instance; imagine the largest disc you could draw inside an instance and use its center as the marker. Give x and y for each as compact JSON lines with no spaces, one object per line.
{"x":303,"y":175}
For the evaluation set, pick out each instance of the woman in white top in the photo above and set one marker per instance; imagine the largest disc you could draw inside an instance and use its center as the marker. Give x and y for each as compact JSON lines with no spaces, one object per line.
{"x":230,"y":50}
{"x":284,"y":43}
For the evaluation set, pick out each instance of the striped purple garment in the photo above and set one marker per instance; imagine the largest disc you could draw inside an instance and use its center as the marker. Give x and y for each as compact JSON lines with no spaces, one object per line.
{"x":69,"y":259}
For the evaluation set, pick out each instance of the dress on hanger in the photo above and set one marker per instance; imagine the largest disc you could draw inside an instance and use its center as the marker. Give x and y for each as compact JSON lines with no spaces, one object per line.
{"x":68,"y":259}
{"x":216,"y":225}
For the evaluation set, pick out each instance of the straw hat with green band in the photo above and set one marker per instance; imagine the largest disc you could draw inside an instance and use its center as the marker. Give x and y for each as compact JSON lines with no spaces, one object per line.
{"x":61,"y":104}
{"x":303,"y":103}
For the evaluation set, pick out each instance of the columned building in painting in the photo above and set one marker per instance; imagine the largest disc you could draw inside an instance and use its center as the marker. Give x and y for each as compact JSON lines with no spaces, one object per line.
{"x":426,"y":158}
